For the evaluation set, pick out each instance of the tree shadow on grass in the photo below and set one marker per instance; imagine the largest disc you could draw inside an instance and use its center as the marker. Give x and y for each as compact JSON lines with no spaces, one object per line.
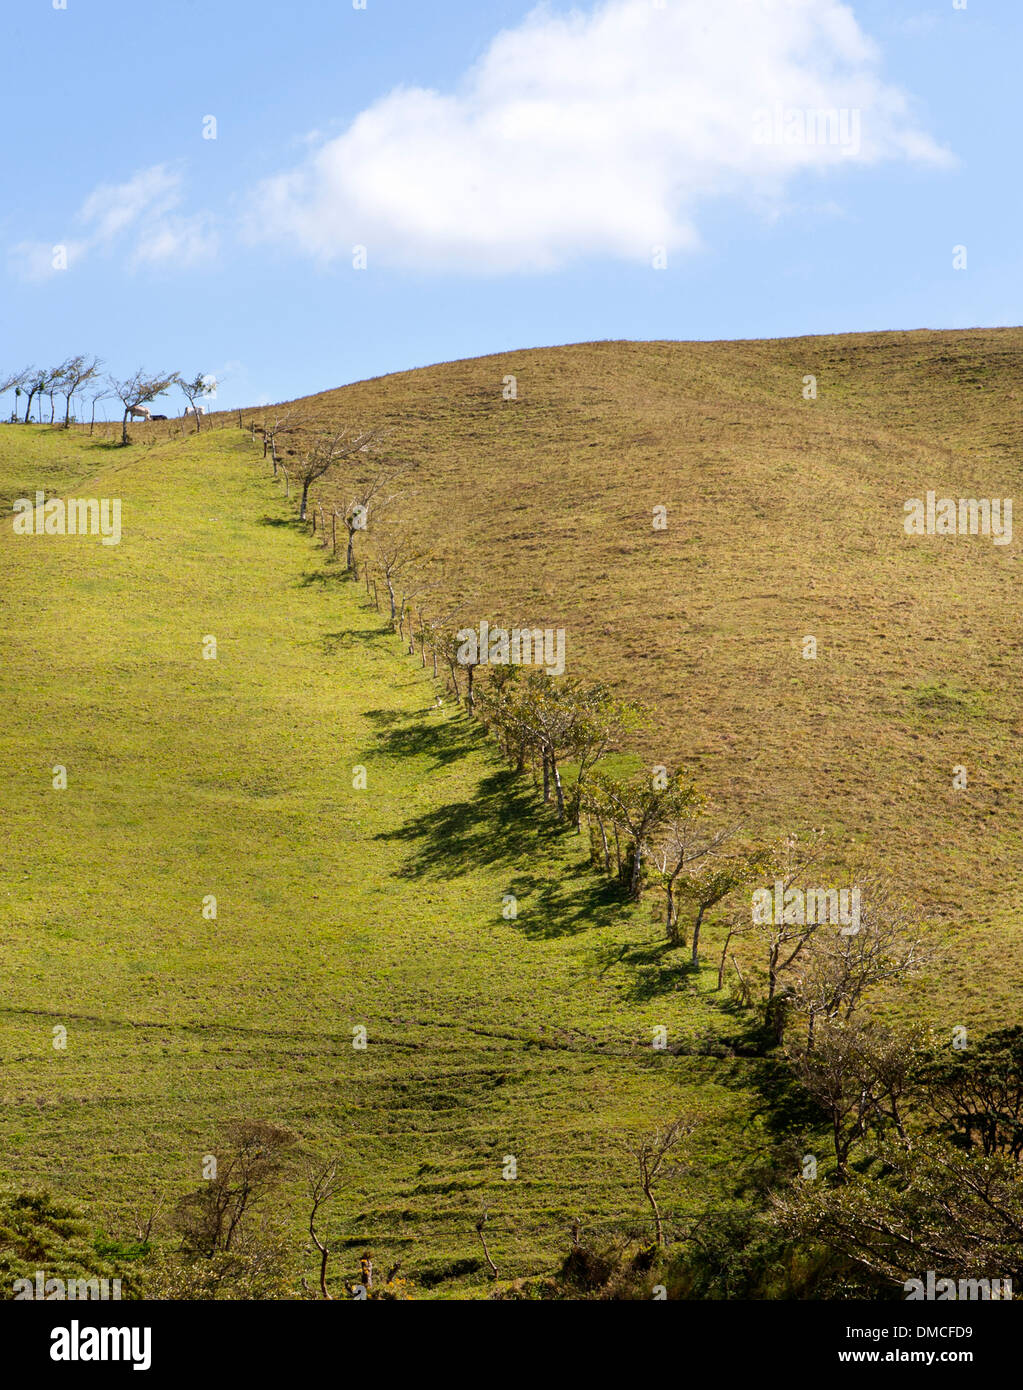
{"x":410,"y":734}
{"x":330,"y":575}
{"x":576,"y":901}
{"x":656,"y":968}
{"x":504,"y":826}
{"x":495,"y":827}
{"x":783,"y":1108}
{"x":334,"y":642}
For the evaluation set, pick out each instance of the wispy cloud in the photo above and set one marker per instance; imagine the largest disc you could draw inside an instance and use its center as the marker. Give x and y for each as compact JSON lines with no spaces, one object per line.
{"x":138,"y":215}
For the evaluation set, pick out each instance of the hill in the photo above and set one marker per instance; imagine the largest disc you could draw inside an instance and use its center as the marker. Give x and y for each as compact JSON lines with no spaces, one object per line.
{"x":784,"y":520}
{"x":337,"y":907}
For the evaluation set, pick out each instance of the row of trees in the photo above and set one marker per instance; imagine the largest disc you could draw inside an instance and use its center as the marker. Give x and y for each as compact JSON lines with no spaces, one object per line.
{"x":652,"y":829}
{"x":81,"y":376}
{"x":926,"y":1139}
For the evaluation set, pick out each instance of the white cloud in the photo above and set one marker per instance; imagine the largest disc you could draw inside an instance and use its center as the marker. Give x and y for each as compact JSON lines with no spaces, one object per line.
{"x":112,"y":208}
{"x":591,"y":133}
{"x":142,"y":207}
{"x":179,"y":241}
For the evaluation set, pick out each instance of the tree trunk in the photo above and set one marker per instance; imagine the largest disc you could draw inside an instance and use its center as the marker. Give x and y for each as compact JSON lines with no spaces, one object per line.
{"x":669,"y":893}
{"x":603,"y":841}
{"x":696,"y":936}
{"x":636,"y":881}
{"x":305,"y":498}
{"x":658,"y":1225}
{"x":558,"y":790}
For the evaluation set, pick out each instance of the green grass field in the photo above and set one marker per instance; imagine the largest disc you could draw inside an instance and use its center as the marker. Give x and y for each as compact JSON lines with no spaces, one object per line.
{"x":336,"y":907}
{"x":340,"y":907}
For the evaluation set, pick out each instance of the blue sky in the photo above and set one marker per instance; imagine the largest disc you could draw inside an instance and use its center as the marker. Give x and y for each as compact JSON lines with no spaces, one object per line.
{"x":513,"y":176}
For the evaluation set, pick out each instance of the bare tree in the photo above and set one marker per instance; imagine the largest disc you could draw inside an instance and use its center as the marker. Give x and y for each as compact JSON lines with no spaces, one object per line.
{"x":784,"y":940}
{"x":326,"y":452}
{"x":277,"y":428}
{"x":480,"y":1227}
{"x":839,"y":967}
{"x":324,"y":1183}
{"x":194,"y":391}
{"x":355,"y":506}
{"x":16,"y":382}
{"x":396,"y":554}
{"x":859,"y":1074}
{"x":137,"y":390}
{"x":652,"y":1153}
{"x":102,"y":392}
{"x":76,"y":373}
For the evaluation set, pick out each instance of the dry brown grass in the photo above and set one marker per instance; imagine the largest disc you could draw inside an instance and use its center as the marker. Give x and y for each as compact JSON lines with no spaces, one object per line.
{"x":785,"y":520}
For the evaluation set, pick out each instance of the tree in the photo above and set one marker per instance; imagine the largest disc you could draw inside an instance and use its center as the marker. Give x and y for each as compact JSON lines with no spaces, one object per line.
{"x":548,"y":713}
{"x":975,"y":1094}
{"x":640,"y":807}
{"x":652,"y":1154}
{"x":325,"y":453}
{"x":688,"y":861}
{"x":786,"y":940}
{"x":212,"y":1217}
{"x":194,"y":391}
{"x":278,"y":427}
{"x":839,"y":967}
{"x":355,"y":506}
{"x":76,"y":373}
{"x":926,"y":1207}
{"x":54,"y":382}
{"x":859,"y":1073}
{"x":16,"y":382}
{"x":138,"y":390}
{"x":36,"y":385}
{"x":600,"y":723}
{"x":324,"y":1183}
{"x":396,"y":553}
{"x":102,"y":392}
{"x":50,"y":384}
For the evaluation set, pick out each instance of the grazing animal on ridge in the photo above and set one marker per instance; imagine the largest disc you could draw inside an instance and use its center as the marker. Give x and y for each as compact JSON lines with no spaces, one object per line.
{"x":141,"y":411}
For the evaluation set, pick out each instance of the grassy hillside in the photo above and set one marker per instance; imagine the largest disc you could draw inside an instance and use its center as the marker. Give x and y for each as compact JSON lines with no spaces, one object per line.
{"x":340,"y":907}
{"x":785,"y":520}
{"x":336,"y":907}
